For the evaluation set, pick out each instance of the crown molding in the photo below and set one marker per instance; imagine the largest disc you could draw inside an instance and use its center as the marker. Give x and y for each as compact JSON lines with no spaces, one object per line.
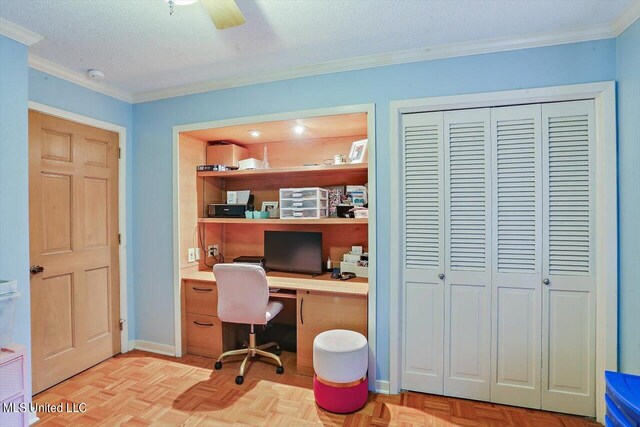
{"x":80,"y":79}
{"x":604,"y":31}
{"x":18,"y":33}
{"x":630,"y":15}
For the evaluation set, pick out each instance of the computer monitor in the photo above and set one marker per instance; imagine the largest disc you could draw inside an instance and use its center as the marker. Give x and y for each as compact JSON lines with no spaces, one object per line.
{"x":293,"y":251}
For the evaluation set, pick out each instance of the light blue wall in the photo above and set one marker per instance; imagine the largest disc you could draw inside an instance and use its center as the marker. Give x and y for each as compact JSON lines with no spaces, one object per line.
{"x":55,"y":92}
{"x":628,"y":76}
{"x":152,"y":201}
{"x":14,"y":181}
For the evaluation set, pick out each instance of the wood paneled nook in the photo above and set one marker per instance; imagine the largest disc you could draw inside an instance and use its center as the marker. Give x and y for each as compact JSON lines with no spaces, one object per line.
{"x":312,"y":304}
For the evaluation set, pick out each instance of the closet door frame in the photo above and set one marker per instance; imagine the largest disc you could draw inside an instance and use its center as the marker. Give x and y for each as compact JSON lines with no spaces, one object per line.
{"x":606,"y":202}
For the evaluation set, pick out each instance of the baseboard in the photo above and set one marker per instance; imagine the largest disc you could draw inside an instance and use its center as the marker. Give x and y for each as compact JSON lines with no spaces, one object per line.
{"x":382,"y":387}
{"x":33,"y":418}
{"x":153,"y":347}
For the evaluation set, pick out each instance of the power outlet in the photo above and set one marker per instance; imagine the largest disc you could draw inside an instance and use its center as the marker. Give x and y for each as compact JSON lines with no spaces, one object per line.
{"x":191,"y":255}
{"x":213,"y":250}
{"x":197,"y":254}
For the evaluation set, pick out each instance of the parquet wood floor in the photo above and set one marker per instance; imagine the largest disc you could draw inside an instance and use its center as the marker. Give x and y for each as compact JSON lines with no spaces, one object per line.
{"x":141,"y":389}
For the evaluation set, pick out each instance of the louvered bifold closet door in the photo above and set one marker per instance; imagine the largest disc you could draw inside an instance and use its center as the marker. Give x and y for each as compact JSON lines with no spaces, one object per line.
{"x":422,"y":252}
{"x":467,"y":274}
{"x":568,"y":271}
{"x":517,"y":255}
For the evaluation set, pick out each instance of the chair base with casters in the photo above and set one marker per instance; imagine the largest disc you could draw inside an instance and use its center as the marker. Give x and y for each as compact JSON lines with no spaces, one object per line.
{"x":250,"y":352}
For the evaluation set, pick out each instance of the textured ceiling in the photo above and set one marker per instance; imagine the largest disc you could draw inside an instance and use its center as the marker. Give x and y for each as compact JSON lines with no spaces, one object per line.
{"x":141,"y":48}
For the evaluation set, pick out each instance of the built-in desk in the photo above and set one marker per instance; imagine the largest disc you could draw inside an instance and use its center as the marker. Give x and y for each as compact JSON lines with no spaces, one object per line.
{"x":321,"y":304}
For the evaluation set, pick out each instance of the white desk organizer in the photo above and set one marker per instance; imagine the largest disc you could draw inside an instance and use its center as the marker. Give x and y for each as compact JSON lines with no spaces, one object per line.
{"x":8,"y":297}
{"x":13,"y":372}
{"x":312,"y":202}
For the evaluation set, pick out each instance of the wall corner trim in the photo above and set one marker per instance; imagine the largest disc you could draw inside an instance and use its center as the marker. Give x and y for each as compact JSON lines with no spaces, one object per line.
{"x":154,"y":347}
{"x":18,"y":33}
{"x":630,"y":15}
{"x":46,"y":66}
{"x":382,"y":387}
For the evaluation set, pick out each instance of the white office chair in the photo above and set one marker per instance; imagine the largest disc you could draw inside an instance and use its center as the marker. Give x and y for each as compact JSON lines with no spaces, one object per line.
{"x":243,"y":297}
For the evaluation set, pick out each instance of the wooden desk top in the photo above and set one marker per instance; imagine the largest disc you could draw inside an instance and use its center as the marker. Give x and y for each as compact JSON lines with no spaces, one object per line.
{"x":298,"y":282}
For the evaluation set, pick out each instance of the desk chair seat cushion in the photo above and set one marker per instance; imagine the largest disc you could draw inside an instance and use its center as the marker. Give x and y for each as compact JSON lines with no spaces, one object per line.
{"x":340,"y":356}
{"x":273,"y":308}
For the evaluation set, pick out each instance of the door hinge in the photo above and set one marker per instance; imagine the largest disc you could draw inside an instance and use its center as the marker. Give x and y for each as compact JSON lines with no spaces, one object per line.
{"x":119,"y":152}
{"x":119,"y":238}
{"x":121,"y":324}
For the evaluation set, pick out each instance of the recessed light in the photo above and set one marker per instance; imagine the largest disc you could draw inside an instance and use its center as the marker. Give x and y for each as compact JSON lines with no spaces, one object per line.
{"x":299,"y":129}
{"x":255,"y":133}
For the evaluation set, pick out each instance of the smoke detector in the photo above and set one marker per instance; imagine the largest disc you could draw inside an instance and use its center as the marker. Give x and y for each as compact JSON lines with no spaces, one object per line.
{"x":96,"y":75}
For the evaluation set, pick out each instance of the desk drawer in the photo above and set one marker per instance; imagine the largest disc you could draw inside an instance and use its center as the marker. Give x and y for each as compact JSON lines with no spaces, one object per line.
{"x":204,"y":335}
{"x":201,"y":298}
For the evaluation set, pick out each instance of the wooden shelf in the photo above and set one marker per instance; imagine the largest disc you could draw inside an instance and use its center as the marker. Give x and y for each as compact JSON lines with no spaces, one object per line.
{"x":292,"y":171}
{"x":305,"y":221}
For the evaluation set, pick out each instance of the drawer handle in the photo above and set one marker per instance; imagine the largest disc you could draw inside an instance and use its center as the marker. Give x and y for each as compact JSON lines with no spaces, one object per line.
{"x":301,"y":318}
{"x":208,"y":325}
{"x":202,"y":289}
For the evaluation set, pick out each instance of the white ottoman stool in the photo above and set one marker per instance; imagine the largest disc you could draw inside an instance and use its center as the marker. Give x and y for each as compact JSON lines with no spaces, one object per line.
{"x":340,"y":362}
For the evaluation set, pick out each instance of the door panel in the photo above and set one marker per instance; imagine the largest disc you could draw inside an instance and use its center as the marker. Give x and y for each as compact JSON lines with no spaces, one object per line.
{"x":73,"y":182}
{"x":56,"y":212}
{"x":58,"y":311}
{"x":422,"y":289}
{"x":467,"y":337}
{"x":516,"y":247}
{"x":568,"y":320}
{"x":424,"y":316}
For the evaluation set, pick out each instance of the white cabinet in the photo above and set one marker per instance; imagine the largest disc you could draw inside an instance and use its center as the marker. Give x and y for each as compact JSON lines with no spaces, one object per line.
{"x":497,"y":277}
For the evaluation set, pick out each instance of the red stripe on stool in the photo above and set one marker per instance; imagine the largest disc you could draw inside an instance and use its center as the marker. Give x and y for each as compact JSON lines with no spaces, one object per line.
{"x":340,"y":399}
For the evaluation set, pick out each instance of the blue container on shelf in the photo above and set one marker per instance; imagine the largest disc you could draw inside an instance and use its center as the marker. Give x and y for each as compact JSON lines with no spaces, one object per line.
{"x":622,"y":399}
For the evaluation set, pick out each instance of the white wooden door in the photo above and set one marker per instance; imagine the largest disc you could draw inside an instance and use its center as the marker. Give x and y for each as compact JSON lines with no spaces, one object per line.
{"x":423,"y":253}
{"x":568,"y":319}
{"x":517,"y":255}
{"x":467,"y":308}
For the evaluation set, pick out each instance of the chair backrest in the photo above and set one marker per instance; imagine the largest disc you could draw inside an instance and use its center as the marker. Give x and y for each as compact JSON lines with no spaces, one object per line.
{"x":243,"y":293}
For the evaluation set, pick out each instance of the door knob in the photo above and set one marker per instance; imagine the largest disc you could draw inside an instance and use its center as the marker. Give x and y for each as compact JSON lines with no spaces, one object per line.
{"x":35,"y":269}
{"x":546,"y":282}
{"x":441,"y":276}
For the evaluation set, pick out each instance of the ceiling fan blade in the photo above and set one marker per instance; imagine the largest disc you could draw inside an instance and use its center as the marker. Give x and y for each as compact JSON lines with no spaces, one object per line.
{"x":224,"y":13}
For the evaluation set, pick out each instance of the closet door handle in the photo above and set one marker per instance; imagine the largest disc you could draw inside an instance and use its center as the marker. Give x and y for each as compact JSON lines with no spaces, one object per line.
{"x":202,"y":289}
{"x":441,"y":276}
{"x":546,"y":282}
{"x":301,"y":304}
{"x":207,"y":325}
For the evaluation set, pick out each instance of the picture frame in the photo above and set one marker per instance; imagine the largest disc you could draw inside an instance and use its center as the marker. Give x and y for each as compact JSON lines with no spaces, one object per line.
{"x":358,"y":151}
{"x":272,"y":208}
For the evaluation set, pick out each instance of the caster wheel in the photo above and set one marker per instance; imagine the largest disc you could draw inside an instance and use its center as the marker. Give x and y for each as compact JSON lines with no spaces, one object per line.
{"x":218,"y":366}
{"x":280,"y":370}
{"x":239,"y":379}
{"x":278,"y":352}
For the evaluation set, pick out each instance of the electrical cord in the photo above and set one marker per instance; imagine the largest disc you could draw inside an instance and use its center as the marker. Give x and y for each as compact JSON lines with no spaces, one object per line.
{"x":201,"y":238}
